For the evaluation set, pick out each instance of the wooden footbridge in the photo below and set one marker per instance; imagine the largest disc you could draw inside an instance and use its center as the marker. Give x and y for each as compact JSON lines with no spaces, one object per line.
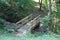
{"x":26,"y":24}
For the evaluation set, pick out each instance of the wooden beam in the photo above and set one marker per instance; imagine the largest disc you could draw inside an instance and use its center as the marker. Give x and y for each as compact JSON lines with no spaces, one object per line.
{"x":24,"y":20}
{"x":26,"y":28}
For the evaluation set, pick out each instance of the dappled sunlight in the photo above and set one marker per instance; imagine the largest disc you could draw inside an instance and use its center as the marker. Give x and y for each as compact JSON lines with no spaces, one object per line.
{"x":37,"y":6}
{"x":37,"y":3}
{"x":36,"y":0}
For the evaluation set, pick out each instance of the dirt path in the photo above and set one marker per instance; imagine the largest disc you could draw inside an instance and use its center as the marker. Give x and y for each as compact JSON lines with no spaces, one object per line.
{"x":36,"y":12}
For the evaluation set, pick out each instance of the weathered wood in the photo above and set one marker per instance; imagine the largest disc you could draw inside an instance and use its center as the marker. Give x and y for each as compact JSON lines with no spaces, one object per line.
{"x":22,"y":22}
{"x":26,"y":28}
{"x":34,"y":22}
{"x":26,"y":19}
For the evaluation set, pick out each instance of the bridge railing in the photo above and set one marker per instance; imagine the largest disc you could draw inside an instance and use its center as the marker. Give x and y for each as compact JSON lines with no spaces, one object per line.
{"x":28,"y":26}
{"x":33,"y":22}
{"x":24,"y":20}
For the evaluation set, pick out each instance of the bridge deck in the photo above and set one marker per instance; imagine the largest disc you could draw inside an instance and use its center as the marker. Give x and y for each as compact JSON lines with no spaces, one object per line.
{"x":28,"y":26}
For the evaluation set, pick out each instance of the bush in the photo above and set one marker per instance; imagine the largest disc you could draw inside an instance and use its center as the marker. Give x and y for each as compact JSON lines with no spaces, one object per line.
{"x":26,"y":4}
{"x":2,"y":23}
{"x":17,"y":12}
{"x":45,"y":20}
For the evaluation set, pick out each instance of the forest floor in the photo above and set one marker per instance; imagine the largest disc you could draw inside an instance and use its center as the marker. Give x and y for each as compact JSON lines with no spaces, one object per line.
{"x":29,"y":36}
{"x":35,"y":12}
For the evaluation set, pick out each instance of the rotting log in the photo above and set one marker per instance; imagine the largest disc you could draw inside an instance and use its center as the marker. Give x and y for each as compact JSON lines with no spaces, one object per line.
{"x":26,"y":28}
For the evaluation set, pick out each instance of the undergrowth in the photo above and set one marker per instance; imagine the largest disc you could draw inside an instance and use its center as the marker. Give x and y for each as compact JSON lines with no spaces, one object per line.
{"x":29,"y":36}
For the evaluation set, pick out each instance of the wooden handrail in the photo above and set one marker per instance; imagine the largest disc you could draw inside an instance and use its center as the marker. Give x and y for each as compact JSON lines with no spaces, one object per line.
{"x":25,"y":19}
{"x":34,"y":22}
{"x":30,"y":25}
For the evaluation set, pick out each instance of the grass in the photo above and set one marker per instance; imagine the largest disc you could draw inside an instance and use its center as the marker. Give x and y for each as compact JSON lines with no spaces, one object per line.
{"x":29,"y":36}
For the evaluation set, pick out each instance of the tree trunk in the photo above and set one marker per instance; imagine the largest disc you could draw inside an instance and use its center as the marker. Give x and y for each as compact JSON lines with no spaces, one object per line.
{"x":49,"y":14}
{"x":49,"y":7}
{"x":40,"y":3}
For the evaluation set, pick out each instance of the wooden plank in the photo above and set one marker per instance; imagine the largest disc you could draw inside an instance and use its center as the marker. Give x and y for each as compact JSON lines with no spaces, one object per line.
{"x":34,"y":22}
{"x":28,"y":26}
{"x":23,"y":23}
{"x":26,"y":19}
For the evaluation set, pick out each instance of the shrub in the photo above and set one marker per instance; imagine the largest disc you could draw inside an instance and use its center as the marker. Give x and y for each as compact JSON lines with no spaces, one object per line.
{"x":17,"y":12}
{"x":2,"y":23}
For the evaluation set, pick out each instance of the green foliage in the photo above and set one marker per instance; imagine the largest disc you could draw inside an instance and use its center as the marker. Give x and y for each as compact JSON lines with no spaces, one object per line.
{"x":25,"y":4}
{"x":10,"y":28}
{"x":2,"y":23}
{"x":45,"y":20}
{"x":44,"y":2}
{"x":58,"y":28}
{"x":55,"y":14}
{"x":17,"y":12}
{"x":29,"y":36}
{"x":13,"y":14}
{"x":58,"y":14}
